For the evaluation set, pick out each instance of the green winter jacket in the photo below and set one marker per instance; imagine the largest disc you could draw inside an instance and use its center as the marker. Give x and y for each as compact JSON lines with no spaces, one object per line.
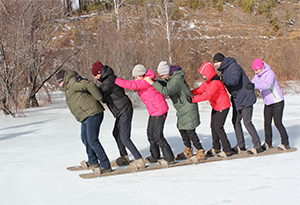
{"x":176,"y":87}
{"x":82,"y":96}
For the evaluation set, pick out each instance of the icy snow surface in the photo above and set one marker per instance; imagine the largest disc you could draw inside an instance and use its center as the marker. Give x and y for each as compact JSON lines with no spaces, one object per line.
{"x":35,"y":151}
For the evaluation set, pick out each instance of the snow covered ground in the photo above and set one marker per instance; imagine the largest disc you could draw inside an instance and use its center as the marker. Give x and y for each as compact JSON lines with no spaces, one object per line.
{"x":35,"y":151}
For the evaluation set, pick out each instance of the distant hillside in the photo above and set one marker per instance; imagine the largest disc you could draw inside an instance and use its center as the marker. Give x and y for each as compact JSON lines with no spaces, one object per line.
{"x":196,"y":35}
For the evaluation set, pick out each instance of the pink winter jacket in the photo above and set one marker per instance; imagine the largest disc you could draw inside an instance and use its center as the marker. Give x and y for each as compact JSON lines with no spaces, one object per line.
{"x":155,"y":102}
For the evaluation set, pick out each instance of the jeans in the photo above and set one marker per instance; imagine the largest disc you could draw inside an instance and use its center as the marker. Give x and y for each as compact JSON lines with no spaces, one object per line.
{"x":89,"y":135}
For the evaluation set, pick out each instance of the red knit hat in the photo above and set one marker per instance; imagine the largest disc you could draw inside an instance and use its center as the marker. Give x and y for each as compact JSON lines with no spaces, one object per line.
{"x":257,"y":64}
{"x":97,"y":68}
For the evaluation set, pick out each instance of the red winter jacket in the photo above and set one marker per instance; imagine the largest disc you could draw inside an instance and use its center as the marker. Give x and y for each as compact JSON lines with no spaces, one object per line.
{"x":212,"y":90}
{"x":155,"y":102}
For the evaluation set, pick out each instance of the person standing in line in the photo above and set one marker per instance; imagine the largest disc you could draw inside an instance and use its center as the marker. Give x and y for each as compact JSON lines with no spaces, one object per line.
{"x":121,"y":107}
{"x":83,"y":99}
{"x":157,"y":108}
{"x":242,"y":99}
{"x":213,"y":90}
{"x":265,"y":81}
{"x":187,"y":114}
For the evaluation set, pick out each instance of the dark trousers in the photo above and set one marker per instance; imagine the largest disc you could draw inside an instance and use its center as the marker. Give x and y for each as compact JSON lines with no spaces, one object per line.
{"x":246,"y":114}
{"x":122,"y":134}
{"x":275,"y":111}
{"x":188,"y":136}
{"x":90,"y":128}
{"x":217,"y":129}
{"x":156,"y":138}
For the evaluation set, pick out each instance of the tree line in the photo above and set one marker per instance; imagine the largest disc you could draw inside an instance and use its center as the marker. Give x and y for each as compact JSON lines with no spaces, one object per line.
{"x":123,"y":33}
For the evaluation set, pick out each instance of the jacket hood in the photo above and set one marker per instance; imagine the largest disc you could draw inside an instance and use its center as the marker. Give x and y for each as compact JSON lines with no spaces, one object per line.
{"x":68,"y":75}
{"x":105,"y":72}
{"x":265,"y":69}
{"x":151,"y":74}
{"x":208,"y":70}
{"x":173,"y":68}
{"x":225,"y":63}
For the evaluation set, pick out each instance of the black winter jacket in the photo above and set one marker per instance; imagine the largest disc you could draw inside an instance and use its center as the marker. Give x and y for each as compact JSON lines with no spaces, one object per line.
{"x":236,"y":80}
{"x":113,"y":95}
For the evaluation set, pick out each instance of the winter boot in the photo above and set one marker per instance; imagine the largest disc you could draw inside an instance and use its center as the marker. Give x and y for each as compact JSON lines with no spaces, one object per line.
{"x":255,"y":151}
{"x":186,"y":154}
{"x":224,"y":155}
{"x":237,"y":150}
{"x":165,"y":163}
{"x":151,"y":159}
{"x":200,"y":155}
{"x":120,"y":161}
{"x":86,"y":165}
{"x":283,"y":147}
{"x":100,"y":170}
{"x":212,"y":152}
{"x":137,"y":164}
{"x":265,"y":146}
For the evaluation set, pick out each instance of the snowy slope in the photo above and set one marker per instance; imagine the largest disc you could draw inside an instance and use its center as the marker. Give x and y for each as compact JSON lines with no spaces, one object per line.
{"x":35,"y":151}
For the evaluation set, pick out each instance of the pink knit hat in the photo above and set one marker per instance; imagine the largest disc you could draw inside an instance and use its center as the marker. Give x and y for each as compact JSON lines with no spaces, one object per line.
{"x":257,"y":64}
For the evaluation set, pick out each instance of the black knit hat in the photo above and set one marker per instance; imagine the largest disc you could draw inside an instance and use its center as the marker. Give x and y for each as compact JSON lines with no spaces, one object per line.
{"x":218,"y":57}
{"x":60,"y":76}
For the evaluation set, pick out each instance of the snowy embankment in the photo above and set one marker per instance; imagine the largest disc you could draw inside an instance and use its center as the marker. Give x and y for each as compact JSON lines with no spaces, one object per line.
{"x":35,"y":151}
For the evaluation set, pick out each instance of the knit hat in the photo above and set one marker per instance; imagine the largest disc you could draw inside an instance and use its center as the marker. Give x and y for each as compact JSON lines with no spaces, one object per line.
{"x":97,"y":68}
{"x":138,"y":70}
{"x":218,"y":57}
{"x":163,"y":68}
{"x":257,"y":64}
{"x":60,"y":76}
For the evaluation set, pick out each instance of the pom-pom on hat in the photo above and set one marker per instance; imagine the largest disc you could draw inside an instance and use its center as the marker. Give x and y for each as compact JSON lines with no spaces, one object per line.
{"x":138,"y":70}
{"x":218,"y":57}
{"x":257,"y":64}
{"x":60,"y":76}
{"x":163,"y":68}
{"x":97,"y":68}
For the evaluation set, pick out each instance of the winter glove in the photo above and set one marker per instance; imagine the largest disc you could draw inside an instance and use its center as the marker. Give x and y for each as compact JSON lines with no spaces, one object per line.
{"x":250,"y":86}
{"x":217,"y":77}
{"x":189,"y":99}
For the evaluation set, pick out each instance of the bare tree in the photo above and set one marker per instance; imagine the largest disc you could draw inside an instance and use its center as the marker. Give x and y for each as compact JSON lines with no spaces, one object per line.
{"x":117,"y":4}
{"x":27,"y":38}
{"x":164,"y":11}
{"x":67,"y":6}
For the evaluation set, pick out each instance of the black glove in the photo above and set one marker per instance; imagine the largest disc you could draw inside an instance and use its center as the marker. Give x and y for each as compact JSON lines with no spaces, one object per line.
{"x":250,"y":86}
{"x":217,"y":77}
{"x":189,"y":99}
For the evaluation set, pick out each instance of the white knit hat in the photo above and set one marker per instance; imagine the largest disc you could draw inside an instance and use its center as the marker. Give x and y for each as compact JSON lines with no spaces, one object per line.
{"x":138,"y":70}
{"x":163,"y":68}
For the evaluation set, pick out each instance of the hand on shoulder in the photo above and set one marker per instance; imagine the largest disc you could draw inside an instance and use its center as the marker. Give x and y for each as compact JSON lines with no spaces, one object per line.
{"x":148,"y":80}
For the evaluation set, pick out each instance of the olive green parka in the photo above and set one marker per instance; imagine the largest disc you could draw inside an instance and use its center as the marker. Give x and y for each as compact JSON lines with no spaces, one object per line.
{"x":82,"y":96}
{"x":178,"y":90}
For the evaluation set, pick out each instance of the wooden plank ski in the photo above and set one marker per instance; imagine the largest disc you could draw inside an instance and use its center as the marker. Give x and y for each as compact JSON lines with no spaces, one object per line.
{"x":125,"y":170}
{"x":80,"y":168}
{"x":77,"y":168}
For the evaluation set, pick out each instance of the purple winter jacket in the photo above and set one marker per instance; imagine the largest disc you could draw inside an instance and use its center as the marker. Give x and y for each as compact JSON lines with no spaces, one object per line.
{"x":267,"y":84}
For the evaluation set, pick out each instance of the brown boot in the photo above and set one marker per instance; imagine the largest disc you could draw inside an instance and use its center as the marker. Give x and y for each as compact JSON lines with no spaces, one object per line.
{"x":200,"y":155}
{"x":186,"y":154}
{"x":137,"y":164}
